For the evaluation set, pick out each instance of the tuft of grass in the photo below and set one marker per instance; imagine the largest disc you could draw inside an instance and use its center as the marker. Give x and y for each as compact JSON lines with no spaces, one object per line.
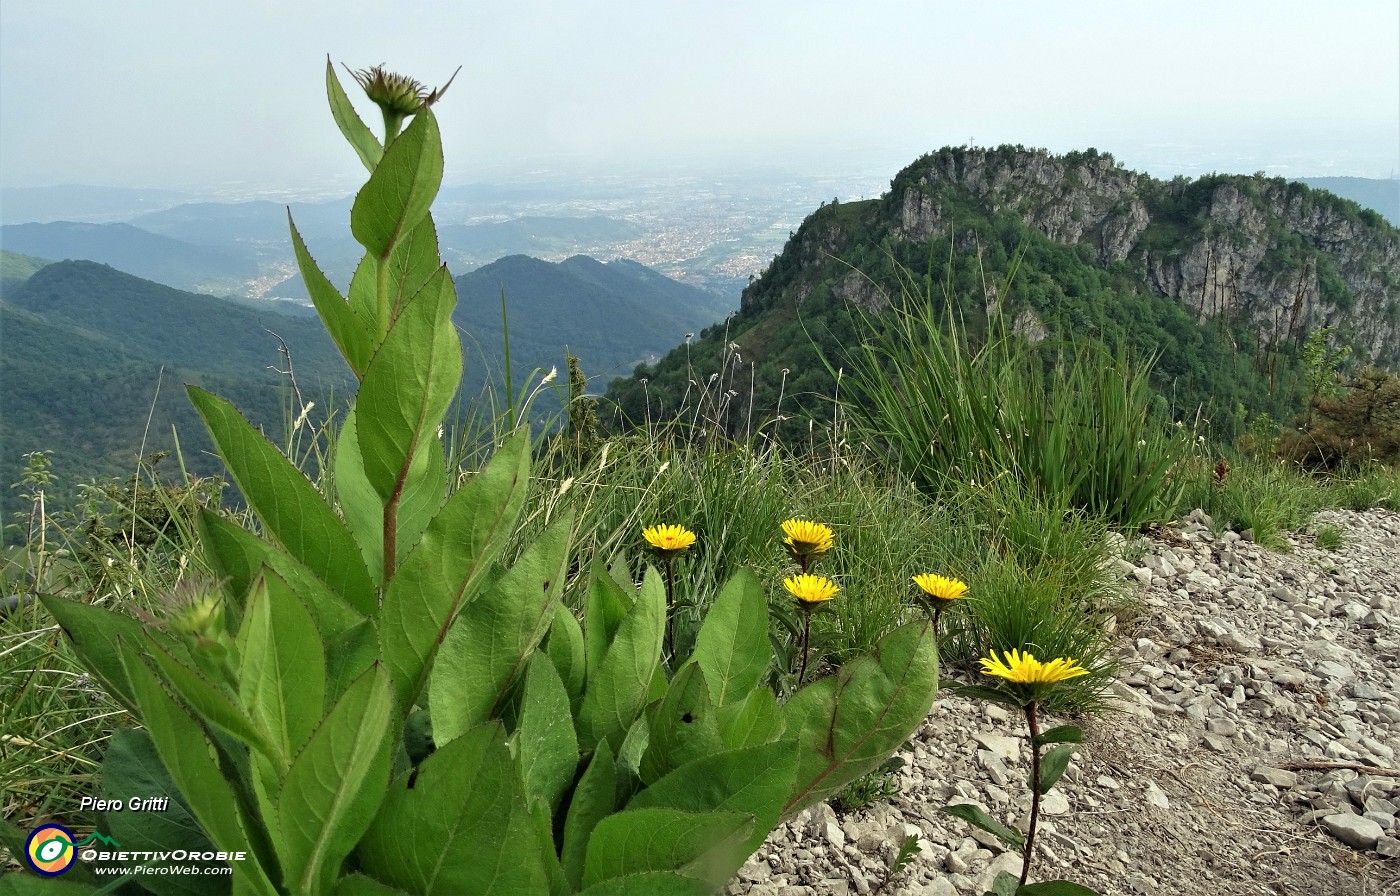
{"x":1268,"y":496}
{"x":1328,"y":537}
{"x":129,"y":545}
{"x":875,"y":786}
{"x":1070,"y":421}
{"x":1372,"y":486}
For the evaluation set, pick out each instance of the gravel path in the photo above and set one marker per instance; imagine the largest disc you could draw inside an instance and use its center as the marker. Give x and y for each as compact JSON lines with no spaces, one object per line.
{"x":1244,"y":665}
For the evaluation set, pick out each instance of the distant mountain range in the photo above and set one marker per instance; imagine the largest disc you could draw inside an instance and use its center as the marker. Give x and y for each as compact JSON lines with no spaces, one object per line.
{"x":82,"y":202}
{"x":139,"y":252}
{"x":85,"y":346}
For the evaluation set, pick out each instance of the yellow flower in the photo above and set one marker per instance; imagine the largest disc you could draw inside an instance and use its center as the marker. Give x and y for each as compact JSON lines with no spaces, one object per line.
{"x":669,"y":538}
{"x":939,"y":587}
{"x":805,"y":538}
{"x":810,"y":589}
{"x":1024,"y":668}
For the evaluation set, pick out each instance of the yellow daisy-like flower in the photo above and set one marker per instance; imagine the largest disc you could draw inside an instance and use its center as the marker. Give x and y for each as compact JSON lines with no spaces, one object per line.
{"x":940,"y":588}
{"x":1024,"y":668}
{"x":805,"y":538}
{"x":669,"y":538}
{"x":810,"y":589}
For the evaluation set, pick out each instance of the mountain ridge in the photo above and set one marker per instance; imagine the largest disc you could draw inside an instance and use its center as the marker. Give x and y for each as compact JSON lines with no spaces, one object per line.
{"x":1219,"y":275}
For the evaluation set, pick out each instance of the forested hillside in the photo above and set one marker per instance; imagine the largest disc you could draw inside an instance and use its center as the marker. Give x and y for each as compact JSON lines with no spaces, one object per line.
{"x":95,"y":361}
{"x":1222,"y":278}
{"x":611,"y":315}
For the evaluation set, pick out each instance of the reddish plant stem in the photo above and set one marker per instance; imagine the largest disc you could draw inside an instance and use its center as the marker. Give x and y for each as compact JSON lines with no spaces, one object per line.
{"x":1034,"y":724}
{"x":806,"y":636}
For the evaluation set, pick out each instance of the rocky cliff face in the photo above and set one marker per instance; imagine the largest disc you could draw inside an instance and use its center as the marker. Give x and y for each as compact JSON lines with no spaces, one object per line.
{"x":1283,"y":256}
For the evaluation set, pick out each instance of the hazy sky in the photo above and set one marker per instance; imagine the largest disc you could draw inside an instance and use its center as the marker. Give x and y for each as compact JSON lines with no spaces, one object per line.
{"x":227,"y":95}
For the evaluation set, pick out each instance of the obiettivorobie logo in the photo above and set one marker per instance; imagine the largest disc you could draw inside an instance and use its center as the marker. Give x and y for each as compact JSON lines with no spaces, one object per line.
{"x":51,"y":848}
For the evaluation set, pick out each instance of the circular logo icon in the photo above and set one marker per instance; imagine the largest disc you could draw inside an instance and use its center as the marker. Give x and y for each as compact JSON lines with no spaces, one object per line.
{"x":49,"y":850}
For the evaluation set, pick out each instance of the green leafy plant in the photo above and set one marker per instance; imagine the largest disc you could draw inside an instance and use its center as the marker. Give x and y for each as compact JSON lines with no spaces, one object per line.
{"x":908,"y":849}
{"x":871,"y":787}
{"x":370,"y":702}
{"x":1025,"y":684}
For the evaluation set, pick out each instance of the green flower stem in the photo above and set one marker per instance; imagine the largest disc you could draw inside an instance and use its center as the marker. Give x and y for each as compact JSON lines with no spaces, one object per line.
{"x":393,"y":123}
{"x":1034,"y":724}
{"x":806,"y":638}
{"x":670,"y":608}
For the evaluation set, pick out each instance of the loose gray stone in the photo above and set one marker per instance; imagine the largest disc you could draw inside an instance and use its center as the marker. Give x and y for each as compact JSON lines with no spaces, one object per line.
{"x":1333,"y":671}
{"x":1353,"y":830}
{"x":1155,"y":796}
{"x":1007,"y":861}
{"x":1278,"y":777}
{"x":1222,"y":727}
{"x":1008,"y":749}
{"x":940,"y":886}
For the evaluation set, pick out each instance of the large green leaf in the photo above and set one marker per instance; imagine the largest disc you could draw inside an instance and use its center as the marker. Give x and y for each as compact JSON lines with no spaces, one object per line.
{"x":652,"y":883}
{"x":658,"y":839}
{"x":359,"y":885}
{"x":412,"y":262}
{"x":406,"y":390}
{"x":132,"y":770}
{"x":547,"y":743}
{"x":282,"y":672}
{"x":975,"y":815}
{"x":565,"y":647}
{"x":16,"y":884}
{"x":752,"y":721}
{"x":462,"y":827}
{"x":617,"y":691}
{"x":401,"y":187}
{"x":214,"y":701}
{"x":361,"y":138}
{"x":1053,"y":765}
{"x":97,"y":635}
{"x":592,"y":801}
{"x":548,"y":851}
{"x":1063,"y":734}
{"x":486,"y":649}
{"x":682,"y":726}
{"x":1056,"y":888}
{"x":449,"y":562}
{"x":754,"y":781}
{"x":336,"y":783}
{"x":850,"y":723}
{"x":350,"y":333}
{"x":189,"y":757}
{"x":422,"y":497}
{"x":290,"y":507}
{"x":605,"y":607}
{"x":732,"y":645}
{"x":238,"y":557}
